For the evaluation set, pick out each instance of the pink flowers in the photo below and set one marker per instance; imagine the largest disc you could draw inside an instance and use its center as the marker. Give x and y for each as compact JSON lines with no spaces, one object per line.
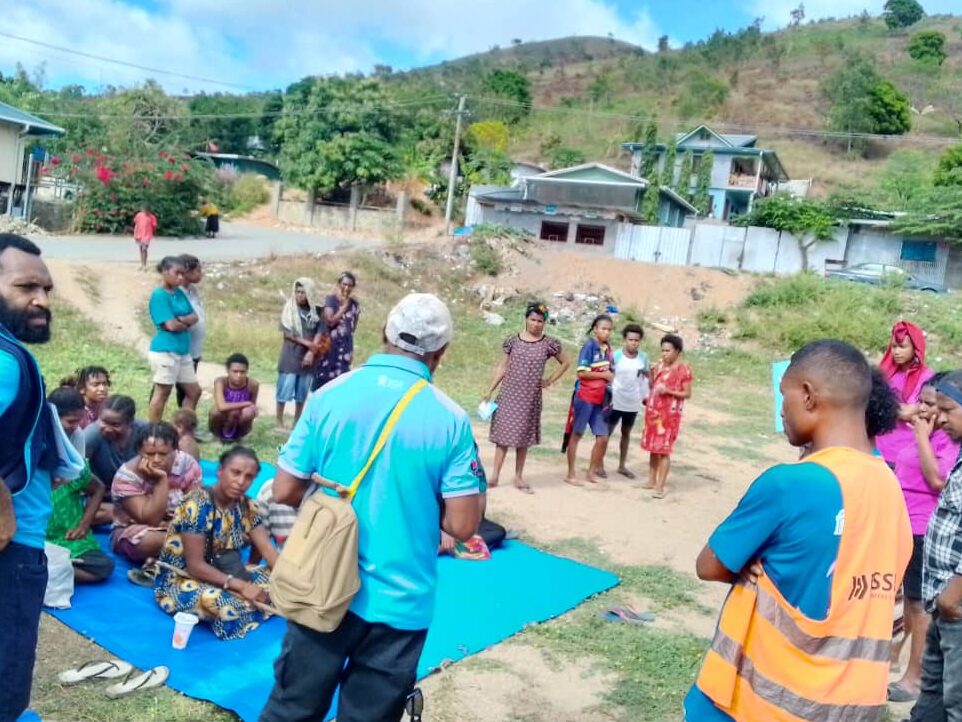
{"x":168,"y":175}
{"x":55,"y":160}
{"x":104,"y":174}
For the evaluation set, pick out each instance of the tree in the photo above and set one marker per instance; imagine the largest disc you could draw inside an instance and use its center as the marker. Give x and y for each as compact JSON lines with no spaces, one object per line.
{"x":487,"y":166}
{"x":949,"y":170}
{"x":229,"y":134}
{"x":663,"y":44}
{"x":649,"y":204}
{"x":685,"y":174}
{"x":938,"y":214}
{"x":335,"y":133}
{"x":488,"y":134}
{"x":797,"y":15}
{"x":702,"y":196}
{"x":928,"y":46}
{"x":601,"y":88}
{"x":809,"y":221}
{"x":862,"y":102}
{"x":668,"y":170}
{"x":566,"y":157}
{"x":142,"y":117}
{"x":902,"y":13}
{"x":272,"y":110}
{"x":511,"y":88}
{"x":649,"y":151}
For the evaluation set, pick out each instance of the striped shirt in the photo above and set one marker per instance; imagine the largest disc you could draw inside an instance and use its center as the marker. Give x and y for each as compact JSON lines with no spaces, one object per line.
{"x":943,"y":540}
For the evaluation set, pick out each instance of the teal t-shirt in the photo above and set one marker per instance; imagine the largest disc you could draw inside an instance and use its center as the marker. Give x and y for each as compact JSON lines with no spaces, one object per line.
{"x":166,"y":306}
{"x":430,"y":456}
{"x":789,"y":519}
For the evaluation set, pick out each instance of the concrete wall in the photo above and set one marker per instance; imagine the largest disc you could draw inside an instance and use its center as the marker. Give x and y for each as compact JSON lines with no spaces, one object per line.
{"x":11,"y":157}
{"x":875,"y":245}
{"x":326,"y":215}
{"x":531,"y":222}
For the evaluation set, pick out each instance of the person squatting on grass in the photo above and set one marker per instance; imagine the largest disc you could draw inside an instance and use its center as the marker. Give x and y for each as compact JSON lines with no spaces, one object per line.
{"x":940,"y":697}
{"x":425,"y":473}
{"x":815,"y":553}
{"x":28,"y":462}
{"x":172,"y":315}
{"x":235,"y":401}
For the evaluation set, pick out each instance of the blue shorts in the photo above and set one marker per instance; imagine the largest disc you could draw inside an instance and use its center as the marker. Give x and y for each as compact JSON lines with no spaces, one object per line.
{"x":589,"y":415}
{"x":292,"y":387}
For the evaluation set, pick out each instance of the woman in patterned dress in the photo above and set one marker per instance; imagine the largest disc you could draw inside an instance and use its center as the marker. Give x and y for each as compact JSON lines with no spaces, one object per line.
{"x":670,"y":386}
{"x":520,"y":373}
{"x":341,"y":313}
{"x":211,"y":522}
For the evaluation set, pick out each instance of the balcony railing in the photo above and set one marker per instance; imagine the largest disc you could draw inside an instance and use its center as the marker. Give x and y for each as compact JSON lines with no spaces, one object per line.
{"x":738,"y":180}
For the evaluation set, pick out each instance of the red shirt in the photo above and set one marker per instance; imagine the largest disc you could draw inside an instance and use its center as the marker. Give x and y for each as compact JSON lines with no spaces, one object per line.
{"x":145,"y":223}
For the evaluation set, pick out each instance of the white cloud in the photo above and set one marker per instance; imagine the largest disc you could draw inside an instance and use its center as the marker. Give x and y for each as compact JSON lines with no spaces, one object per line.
{"x":270,"y":43}
{"x":776,"y":12}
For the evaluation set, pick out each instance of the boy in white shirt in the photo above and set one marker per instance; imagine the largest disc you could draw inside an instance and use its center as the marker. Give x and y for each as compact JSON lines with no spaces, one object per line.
{"x":629,"y":390}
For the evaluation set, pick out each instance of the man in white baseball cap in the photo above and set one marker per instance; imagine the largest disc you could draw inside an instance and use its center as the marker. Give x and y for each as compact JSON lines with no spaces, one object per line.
{"x":426,"y":471}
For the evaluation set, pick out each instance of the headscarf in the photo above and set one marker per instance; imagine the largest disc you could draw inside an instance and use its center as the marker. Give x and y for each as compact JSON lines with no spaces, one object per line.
{"x":916,"y":367}
{"x":291,"y":313}
{"x":538,"y":308}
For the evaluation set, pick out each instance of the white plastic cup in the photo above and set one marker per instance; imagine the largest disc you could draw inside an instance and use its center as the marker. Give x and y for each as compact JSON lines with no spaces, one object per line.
{"x":184,"y":624}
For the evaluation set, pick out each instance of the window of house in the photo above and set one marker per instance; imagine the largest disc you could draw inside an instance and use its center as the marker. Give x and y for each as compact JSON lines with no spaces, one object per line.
{"x":590,"y":235}
{"x":920,"y":251}
{"x":553,"y":231}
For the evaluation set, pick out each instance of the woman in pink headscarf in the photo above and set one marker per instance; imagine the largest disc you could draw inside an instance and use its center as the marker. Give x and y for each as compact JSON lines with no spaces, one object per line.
{"x":904,"y":366}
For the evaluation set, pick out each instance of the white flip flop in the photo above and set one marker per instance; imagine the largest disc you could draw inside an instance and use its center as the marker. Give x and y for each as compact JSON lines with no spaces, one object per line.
{"x":136,"y":682}
{"x":113,"y":669}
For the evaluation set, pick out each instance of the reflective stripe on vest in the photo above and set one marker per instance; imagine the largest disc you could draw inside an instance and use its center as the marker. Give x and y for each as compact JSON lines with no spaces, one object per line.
{"x":778,"y":696}
{"x":769,"y":662}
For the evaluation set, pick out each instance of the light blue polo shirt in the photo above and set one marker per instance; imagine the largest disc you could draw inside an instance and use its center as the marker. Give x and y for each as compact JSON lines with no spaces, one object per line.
{"x":32,"y":505}
{"x":429,"y":456}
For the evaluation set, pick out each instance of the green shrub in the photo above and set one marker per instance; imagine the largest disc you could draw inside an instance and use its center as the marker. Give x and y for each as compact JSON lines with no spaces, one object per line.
{"x":711,"y":319}
{"x":486,"y":258}
{"x":113,"y":188}
{"x":245,"y":194}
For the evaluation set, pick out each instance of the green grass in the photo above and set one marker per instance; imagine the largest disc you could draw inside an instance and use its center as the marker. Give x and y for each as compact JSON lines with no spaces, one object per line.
{"x":783,"y":314}
{"x":653,"y":668}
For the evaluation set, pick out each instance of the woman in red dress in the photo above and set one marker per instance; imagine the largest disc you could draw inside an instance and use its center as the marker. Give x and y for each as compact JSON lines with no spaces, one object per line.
{"x":670,"y":386}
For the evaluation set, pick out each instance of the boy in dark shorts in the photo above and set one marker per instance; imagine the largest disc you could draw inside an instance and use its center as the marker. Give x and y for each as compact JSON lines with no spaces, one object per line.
{"x":628,"y":391}
{"x":75,"y":505}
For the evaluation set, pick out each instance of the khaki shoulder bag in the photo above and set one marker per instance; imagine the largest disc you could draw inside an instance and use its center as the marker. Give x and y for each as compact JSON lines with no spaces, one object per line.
{"x":315,"y":577}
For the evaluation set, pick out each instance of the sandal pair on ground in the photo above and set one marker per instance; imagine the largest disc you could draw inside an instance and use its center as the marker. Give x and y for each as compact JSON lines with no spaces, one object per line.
{"x":131,"y":680}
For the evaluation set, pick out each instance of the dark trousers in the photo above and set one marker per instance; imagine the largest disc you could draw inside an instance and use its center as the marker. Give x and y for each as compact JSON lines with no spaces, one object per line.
{"x":23,"y":579}
{"x":941,"y":697}
{"x":374,"y":664}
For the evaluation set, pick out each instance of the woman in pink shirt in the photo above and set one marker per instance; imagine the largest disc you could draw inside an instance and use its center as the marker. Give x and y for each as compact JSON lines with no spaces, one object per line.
{"x":921,"y":469}
{"x":904,"y":366}
{"x":145,"y":223}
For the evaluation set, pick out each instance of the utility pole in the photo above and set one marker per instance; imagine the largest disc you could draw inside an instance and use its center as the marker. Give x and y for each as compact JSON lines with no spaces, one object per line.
{"x":453,"y":176}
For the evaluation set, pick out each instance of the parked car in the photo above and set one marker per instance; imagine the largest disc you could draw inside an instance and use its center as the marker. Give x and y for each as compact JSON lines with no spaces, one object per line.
{"x":878,"y":274}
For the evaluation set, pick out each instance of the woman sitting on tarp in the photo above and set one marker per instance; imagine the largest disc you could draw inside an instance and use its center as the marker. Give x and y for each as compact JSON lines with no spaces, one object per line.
{"x":201,"y":567}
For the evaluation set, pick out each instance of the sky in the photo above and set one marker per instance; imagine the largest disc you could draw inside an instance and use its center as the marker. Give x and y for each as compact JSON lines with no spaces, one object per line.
{"x":239,"y":45}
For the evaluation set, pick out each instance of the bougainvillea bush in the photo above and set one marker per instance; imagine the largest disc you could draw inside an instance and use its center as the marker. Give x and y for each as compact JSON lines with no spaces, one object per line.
{"x":113,"y":189}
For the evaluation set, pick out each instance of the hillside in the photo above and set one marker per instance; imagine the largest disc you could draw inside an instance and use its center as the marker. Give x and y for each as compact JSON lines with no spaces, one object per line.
{"x":764,"y":83}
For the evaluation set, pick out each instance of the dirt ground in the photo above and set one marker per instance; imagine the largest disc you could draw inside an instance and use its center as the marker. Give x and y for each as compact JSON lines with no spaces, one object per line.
{"x":514,"y":680}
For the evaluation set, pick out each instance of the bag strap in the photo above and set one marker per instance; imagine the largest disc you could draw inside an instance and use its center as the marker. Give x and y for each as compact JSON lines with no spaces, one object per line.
{"x":385,"y":433}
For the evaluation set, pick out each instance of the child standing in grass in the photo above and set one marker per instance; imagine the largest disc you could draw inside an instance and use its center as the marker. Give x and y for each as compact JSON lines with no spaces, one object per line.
{"x":145,"y":225}
{"x":75,"y":503}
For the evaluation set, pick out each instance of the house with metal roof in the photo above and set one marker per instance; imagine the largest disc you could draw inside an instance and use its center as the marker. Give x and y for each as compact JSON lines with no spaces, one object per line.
{"x":582,"y":205}
{"x":17,"y":129}
{"x":741,"y":171}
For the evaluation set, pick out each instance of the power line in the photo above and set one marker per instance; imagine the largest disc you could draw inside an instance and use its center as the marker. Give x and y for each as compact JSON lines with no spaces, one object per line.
{"x":124,"y":63}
